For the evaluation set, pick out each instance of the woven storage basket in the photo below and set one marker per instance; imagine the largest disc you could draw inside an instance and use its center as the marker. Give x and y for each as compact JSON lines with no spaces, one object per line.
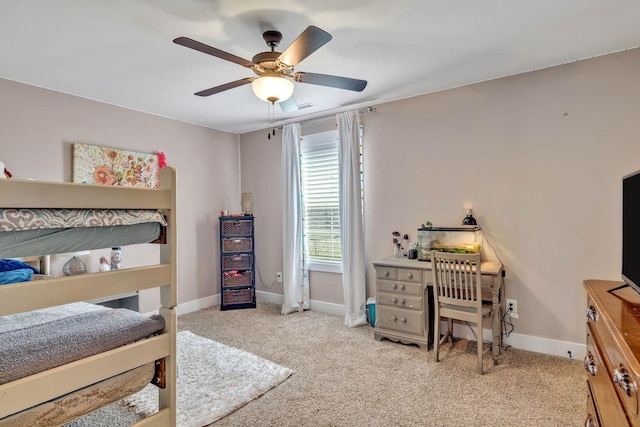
{"x":237,"y":296}
{"x":237,"y":245}
{"x":236,"y":228}
{"x":237,"y":262}
{"x":241,"y":278}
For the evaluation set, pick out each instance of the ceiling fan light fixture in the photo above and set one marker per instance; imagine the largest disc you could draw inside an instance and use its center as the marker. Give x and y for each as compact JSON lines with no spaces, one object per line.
{"x":272,"y":89}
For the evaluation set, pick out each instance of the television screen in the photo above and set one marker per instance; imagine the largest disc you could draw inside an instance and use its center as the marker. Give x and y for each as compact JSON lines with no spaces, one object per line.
{"x":631,"y":230}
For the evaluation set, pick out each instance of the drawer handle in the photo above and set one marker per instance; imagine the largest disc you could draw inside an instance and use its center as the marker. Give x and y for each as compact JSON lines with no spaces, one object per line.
{"x":402,"y":301}
{"x":394,"y":300}
{"x":402,"y":286}
{"x":386,"y":273}
{"x":592,"y":314}
{"x":237,"y":241}
{"x":410,"y":275}
{"x":589,"y":421}
{"x":590,"y":364}
{"x":622,"y":379}
{"x":394,"y":286}
{"x":402,"y":319}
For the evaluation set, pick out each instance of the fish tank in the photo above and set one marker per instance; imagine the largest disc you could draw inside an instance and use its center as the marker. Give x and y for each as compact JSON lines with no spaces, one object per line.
{"x":460,"y":240}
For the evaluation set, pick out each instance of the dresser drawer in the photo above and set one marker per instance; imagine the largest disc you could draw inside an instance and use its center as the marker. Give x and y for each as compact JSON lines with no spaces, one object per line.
{"x":399,"y":319}
{"x":592,"y":415}
{"x":397,"y":273}
{"x":610,"y":411}
{"x":241,"y":244}
{"x":241,"y":227}
{"x":409,"y":275}
{"x":619,"y":371}
{"x":390,"y":273}
{"x":411,"y":302}
{"x":396,"y":286}
{"x":237,"y":262}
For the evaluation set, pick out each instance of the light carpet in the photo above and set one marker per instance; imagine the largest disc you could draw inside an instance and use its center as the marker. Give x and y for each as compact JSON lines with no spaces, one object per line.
{"x":213,"y":381}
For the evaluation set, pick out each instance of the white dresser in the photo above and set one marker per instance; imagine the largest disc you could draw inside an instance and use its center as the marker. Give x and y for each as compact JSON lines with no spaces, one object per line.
{"x":401,"y":304}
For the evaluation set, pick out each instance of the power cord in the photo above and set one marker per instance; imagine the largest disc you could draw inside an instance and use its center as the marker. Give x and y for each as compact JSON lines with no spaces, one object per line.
{"x":485,"y":238}
{"x":474,"y":334}
{"x":507,"y":326}
{"x":260,"y":275}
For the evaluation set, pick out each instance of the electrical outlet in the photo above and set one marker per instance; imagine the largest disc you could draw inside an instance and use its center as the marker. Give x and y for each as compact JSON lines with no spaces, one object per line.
{"x":512,"y":308}
{"x":279,"y":277}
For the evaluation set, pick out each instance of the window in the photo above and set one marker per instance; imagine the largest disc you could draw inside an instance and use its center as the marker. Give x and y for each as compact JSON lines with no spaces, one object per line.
{"x":319,"y":165}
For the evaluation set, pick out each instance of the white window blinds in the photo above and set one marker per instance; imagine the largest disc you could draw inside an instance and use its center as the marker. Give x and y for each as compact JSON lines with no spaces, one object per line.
{"x":319,"y":164}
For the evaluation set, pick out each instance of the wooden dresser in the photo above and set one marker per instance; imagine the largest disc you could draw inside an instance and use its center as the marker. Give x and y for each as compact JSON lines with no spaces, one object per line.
{"x":613,"y":349}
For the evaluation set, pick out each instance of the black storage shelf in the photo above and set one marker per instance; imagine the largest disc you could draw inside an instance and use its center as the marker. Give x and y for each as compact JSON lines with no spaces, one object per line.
{"x":237,"y":262}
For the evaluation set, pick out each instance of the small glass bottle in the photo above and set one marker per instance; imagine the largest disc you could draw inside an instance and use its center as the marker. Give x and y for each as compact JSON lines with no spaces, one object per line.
{"x":116,"y":258}
{"x":413,"y":251}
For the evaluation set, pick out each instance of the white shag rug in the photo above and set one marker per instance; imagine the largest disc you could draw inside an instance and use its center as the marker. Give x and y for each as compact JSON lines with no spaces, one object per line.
{"x":213,"y":381}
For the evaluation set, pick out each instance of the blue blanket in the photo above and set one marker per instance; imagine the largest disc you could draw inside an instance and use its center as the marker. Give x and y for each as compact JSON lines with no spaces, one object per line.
{"x":13,"y":271}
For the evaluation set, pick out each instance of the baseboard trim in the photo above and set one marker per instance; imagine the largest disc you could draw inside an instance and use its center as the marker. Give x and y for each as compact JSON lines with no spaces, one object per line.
{"x":198,"y":304}
{"x":524,"y":342}
{"x":549,"y":346}
{"x":321,"y":306}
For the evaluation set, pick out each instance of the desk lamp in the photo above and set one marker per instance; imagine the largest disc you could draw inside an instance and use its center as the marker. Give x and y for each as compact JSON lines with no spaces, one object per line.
{"x":469,"y":219}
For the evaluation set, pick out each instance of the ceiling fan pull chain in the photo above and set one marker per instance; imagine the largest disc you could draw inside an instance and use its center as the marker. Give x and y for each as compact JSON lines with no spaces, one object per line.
{"x":269,"y":118}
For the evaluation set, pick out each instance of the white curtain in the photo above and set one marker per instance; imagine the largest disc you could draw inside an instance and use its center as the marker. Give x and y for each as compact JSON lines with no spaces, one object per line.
{"x":295,"y":277}
{"x":351,"y":222}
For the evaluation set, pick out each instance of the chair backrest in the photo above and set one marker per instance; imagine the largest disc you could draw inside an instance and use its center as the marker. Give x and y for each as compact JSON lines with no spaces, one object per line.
{"x":457,"y":278}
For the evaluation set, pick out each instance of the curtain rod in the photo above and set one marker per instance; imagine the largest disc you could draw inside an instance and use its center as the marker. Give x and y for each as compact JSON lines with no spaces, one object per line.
{"x":319,"y":119}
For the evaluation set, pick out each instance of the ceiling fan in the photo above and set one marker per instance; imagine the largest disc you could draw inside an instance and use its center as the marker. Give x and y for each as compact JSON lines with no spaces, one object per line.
{"x":275,"y":69}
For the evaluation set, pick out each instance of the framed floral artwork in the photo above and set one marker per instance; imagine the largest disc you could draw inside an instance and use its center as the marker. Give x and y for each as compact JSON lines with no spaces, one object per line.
{"x":112,"y":166}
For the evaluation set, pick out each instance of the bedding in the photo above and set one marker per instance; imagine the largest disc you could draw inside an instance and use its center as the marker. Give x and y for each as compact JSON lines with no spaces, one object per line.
{"x":14,"y":264}
{"x":13,"y":271}
{"x":37,"y":347}
{"x":36,"y":219}
{"x":22,"y":320}
{"x":54,"y":241}
{"x":36,"y":232}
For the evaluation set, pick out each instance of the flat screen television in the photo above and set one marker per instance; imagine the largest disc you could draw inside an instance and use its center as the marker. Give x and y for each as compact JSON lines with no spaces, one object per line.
{"x":631,"y":230}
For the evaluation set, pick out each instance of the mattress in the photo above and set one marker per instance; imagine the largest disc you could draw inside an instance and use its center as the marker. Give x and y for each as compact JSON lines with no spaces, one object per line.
{"x":46,"y":341}
{"x":36,"y":232}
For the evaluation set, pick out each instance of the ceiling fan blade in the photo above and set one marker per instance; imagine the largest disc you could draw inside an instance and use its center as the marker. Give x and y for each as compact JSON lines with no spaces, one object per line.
{"x":196,"y":45}
{"x":226,"y":86}
{"x":332,"y":81}
{"x":310,"y":40}
{"x":288,"y":105}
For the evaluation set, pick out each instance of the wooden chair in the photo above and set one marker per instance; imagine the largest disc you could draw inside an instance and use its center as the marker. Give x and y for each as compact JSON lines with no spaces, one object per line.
{"x":458,"y":295}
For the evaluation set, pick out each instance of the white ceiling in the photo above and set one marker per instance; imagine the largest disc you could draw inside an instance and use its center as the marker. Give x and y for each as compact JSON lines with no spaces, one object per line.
{"x":121,"y":51}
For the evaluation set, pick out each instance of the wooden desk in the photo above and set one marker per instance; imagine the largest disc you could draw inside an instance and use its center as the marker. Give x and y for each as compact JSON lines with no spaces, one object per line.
{"x":392,"y":268}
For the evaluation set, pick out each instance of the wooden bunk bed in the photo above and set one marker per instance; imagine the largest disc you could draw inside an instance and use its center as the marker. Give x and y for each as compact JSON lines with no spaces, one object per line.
{"x":85,"y":376}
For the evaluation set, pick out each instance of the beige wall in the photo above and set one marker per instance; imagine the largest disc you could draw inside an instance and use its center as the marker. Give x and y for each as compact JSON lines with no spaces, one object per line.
{"x":38,"y":127}
{"x":540,"y":155}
